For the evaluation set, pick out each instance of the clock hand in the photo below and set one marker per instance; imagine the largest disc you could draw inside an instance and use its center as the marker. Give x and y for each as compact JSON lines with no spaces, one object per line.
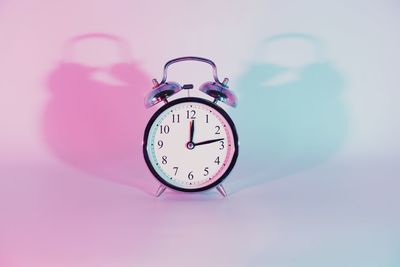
{"x":208,"y":142}
{"x":191,"y":131}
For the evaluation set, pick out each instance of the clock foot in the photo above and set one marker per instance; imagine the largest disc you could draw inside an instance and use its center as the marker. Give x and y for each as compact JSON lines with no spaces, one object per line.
{"x":160,"y":190}
{"x":221,"y":190}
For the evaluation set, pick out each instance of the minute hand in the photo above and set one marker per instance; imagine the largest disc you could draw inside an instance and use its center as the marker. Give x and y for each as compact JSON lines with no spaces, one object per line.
{"x":208,"y":141}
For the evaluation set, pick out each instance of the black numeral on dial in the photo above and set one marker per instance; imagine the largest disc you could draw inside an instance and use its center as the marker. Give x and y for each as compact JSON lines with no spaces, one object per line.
{"x":217,"y":129}
{"x":160,"y":144}
{"x":176,"y":170}
{"x":222,"y":145}
{"x":175,"y":118}
{"x":191,"y":114}
{"x":164,"y":129}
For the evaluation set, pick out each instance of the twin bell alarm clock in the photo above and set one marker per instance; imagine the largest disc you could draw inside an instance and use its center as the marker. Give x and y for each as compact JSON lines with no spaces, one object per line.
{"x":190,"y":143}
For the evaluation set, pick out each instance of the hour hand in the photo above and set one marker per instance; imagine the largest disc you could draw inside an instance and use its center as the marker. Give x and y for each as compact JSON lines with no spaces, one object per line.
{"x":208,"y":142}
{"x":191,"y":131}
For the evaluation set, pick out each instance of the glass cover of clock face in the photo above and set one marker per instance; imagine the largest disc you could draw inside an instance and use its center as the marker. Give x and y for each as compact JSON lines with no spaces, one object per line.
{"x":190,"y":144}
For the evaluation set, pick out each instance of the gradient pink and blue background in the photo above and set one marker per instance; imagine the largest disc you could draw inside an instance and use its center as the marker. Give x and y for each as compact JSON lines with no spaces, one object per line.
{"x":317,"y":180}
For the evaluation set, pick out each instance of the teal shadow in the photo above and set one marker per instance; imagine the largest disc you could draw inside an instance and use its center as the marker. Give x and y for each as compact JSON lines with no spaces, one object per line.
{"x":291,"y":126}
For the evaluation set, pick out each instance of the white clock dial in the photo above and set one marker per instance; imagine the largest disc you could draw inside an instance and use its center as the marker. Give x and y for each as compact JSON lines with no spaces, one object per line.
{"x":190,"y":144}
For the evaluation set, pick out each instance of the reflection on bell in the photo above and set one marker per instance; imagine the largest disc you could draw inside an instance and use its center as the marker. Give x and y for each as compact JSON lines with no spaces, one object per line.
{"x":219,"y":92}
{"x":161,"y":93}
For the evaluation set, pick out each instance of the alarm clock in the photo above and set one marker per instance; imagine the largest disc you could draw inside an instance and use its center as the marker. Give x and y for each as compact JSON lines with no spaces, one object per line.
{"x":190,"y":143}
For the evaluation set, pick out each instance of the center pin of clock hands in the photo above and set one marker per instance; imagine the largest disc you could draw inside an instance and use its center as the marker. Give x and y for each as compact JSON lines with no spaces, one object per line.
{"x":190,"y":145}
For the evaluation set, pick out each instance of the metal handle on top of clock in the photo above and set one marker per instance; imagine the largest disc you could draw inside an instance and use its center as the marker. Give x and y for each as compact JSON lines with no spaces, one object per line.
{"x":216,"y":89}
{"x":191,"y":58}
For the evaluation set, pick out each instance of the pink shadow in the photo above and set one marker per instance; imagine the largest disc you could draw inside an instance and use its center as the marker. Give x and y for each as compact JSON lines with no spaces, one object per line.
{"x":97,"y":126}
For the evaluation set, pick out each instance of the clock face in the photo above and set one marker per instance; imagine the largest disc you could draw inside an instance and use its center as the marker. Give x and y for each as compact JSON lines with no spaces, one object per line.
{"x":190,"y":144}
